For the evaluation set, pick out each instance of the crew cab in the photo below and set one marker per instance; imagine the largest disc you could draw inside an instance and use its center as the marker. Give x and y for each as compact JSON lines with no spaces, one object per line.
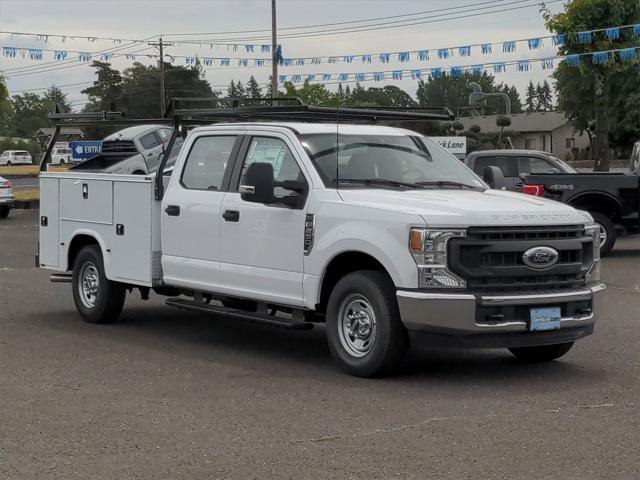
{"x":612,"y":198}
{"x":134,"y":150}
{"x":515,"y":164}
{"x":376,"y":232}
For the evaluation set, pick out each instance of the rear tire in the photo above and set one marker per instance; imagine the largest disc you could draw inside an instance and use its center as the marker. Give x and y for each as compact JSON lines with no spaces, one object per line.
{"x":543,"y":353}
{"x":97,"y":299}
{"x":4,"y":211}
{"x":608,"y":232}
{"x":364,"y":331}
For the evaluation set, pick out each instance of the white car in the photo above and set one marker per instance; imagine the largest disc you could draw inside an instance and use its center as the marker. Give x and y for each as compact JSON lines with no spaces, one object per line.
{"x":15,"y":157}
{"x":6,"y":197}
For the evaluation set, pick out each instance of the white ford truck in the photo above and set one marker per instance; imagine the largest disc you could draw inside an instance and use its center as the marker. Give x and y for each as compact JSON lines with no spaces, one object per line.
{"x":375,"y":231}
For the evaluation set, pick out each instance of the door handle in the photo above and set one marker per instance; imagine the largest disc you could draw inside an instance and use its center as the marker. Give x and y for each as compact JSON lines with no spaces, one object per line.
{"x":173,"y":210}
{"x":231,"y":215}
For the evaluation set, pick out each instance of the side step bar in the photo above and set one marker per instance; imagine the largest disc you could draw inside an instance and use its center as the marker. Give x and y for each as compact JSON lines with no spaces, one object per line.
{"x":60,"y":278}
{"x":255,"y":317}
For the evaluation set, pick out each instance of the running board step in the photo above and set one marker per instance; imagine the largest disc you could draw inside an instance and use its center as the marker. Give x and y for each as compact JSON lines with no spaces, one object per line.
{"x":262,"y":318}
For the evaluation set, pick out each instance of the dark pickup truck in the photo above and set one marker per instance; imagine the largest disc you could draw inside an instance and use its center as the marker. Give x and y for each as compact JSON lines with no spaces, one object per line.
{"x":613,"y":199}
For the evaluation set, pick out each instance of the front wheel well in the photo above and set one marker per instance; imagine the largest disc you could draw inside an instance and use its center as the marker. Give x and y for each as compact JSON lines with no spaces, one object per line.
{"x":77,"y":244}
{"x":341,"y":265}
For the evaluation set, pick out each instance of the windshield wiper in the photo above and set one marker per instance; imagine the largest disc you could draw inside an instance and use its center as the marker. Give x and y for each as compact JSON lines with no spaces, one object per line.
{"x":380,"y":182}
{"x":447,"y":183}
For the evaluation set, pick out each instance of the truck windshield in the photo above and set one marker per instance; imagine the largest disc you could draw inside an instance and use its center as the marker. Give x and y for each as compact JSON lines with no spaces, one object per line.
{"x":381,"y":161}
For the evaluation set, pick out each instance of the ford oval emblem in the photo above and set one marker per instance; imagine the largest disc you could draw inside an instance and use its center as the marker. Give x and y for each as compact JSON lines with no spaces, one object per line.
{"x":540,"y":257}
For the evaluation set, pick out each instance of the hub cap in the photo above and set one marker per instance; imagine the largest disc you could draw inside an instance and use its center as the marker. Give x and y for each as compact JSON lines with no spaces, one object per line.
{"x":89,"y":286}
{"x":357,"y":325}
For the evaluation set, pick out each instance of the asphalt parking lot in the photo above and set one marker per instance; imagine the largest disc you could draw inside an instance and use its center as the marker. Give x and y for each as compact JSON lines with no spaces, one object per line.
{"x":170,"y":394}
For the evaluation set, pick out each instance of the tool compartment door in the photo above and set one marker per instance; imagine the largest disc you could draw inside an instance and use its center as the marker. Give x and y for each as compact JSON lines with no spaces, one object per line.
{"x":49,"y":235}
{"x":131,"y":247}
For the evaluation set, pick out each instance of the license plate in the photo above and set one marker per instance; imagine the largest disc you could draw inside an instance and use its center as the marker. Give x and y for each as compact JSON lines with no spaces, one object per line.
{"x":545,"y":319}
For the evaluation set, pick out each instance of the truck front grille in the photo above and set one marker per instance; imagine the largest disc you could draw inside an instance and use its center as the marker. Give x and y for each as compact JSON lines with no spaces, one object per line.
{"x":119,"y":147}
{"x":491,"y":258}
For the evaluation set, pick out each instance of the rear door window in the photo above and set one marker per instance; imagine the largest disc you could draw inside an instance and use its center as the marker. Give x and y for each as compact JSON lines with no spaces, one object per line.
{"x":207,"y":162}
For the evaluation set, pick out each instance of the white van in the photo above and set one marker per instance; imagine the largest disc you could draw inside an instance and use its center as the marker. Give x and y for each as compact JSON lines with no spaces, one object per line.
{"x":15,"y":157}
{"x":61,"y":154}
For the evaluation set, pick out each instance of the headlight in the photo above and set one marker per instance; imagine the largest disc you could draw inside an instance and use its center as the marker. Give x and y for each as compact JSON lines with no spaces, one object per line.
{"x":593,"y":275}
{"x":429,"y":250}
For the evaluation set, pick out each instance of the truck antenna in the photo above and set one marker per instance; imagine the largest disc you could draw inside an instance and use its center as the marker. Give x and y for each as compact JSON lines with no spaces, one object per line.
{"x":337,"y":141}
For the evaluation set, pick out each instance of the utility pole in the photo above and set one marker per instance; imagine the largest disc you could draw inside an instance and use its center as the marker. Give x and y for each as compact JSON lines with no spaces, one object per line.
{"x":274,"y":46}
{"x":160,"y":46}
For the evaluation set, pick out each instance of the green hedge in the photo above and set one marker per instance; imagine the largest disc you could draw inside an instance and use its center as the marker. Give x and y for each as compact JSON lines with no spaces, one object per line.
{"x":29,"y":145}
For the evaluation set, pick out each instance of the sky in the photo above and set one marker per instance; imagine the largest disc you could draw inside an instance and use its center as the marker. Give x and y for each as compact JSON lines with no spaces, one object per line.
{"x":195,"y":20}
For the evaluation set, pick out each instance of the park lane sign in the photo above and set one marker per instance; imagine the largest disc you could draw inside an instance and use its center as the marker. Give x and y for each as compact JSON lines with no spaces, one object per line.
{"x":454,"y":145}
{"x":85,"y":149}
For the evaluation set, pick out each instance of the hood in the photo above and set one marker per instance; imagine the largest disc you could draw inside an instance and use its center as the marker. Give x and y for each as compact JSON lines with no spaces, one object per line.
{"x":463,"y":208}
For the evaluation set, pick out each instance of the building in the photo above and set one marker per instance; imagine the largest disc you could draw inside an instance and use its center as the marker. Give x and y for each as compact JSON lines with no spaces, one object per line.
{"x":67,"y":134}
{"x":547,"y":131}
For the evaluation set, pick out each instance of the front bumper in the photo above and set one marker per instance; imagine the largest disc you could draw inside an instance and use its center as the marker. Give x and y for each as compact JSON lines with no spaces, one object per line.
{"x":496,"y":321}
{"x":6,"y":201}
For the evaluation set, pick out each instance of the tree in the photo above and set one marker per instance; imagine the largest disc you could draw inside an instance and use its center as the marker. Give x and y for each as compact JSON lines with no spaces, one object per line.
{"x":253,"y":89}
{"x":30,"y":114}
{"x":310,"y":93}
{"x":453,"y":92}
{"x":54,"y":96}
{"x":106,"y":89}
{"x":6,"y":110}
{"x":388,"y":96}
{"x":545,"y":97}
{"x":605,"y":93}
{"x":531,"y":99}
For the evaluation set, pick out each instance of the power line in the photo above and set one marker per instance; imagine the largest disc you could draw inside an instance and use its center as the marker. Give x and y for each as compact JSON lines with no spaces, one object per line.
{"x":64,"y":67}
{"x":43,"y":66}
{"x":337,"y":23}
{"x":398,"y":24}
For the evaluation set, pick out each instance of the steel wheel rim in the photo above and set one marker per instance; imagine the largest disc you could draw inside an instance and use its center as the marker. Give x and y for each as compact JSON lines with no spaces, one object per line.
{"x":89,"y":285}
{"x":357,"y":325}
{"x":603,"y":235}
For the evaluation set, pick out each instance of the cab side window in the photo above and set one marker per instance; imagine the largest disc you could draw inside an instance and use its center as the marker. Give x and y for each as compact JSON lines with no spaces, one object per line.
{"x":508,"y":165}
{"x":207,"y":162}
{"x":275,"y":152}
{"x":149,"y":141}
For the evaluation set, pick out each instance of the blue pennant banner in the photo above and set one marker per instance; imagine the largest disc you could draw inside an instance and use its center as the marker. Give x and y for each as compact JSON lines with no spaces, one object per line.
{"x":534,"y":43}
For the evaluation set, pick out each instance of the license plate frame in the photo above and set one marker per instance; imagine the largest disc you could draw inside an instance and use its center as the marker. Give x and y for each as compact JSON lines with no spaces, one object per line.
{"x":544,"y":319}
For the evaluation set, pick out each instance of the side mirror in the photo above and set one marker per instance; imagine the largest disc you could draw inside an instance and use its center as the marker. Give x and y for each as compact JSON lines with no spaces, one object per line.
{"x":494,"y":177}
{"x":258,"y":185}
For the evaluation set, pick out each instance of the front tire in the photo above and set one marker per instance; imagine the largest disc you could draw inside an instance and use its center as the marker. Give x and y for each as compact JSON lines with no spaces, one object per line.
{"x":608,"y":232}
{"x":97,"y":299}
{"x":4,"y":211}
{"x":364,"y":331}
{"x":543,"y":353}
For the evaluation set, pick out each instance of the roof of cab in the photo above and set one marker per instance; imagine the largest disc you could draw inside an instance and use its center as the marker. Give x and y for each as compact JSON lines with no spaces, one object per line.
{"x":309,"y":128}
{"x":130,"y":133}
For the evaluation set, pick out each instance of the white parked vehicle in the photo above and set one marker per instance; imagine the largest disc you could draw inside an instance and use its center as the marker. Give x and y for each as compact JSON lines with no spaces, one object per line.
{"x":6,"y":197}
{"x":375,"y":231}
{"x":132,"y":151}
{"x":61,"y":155}
{"x":15,"y":157}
